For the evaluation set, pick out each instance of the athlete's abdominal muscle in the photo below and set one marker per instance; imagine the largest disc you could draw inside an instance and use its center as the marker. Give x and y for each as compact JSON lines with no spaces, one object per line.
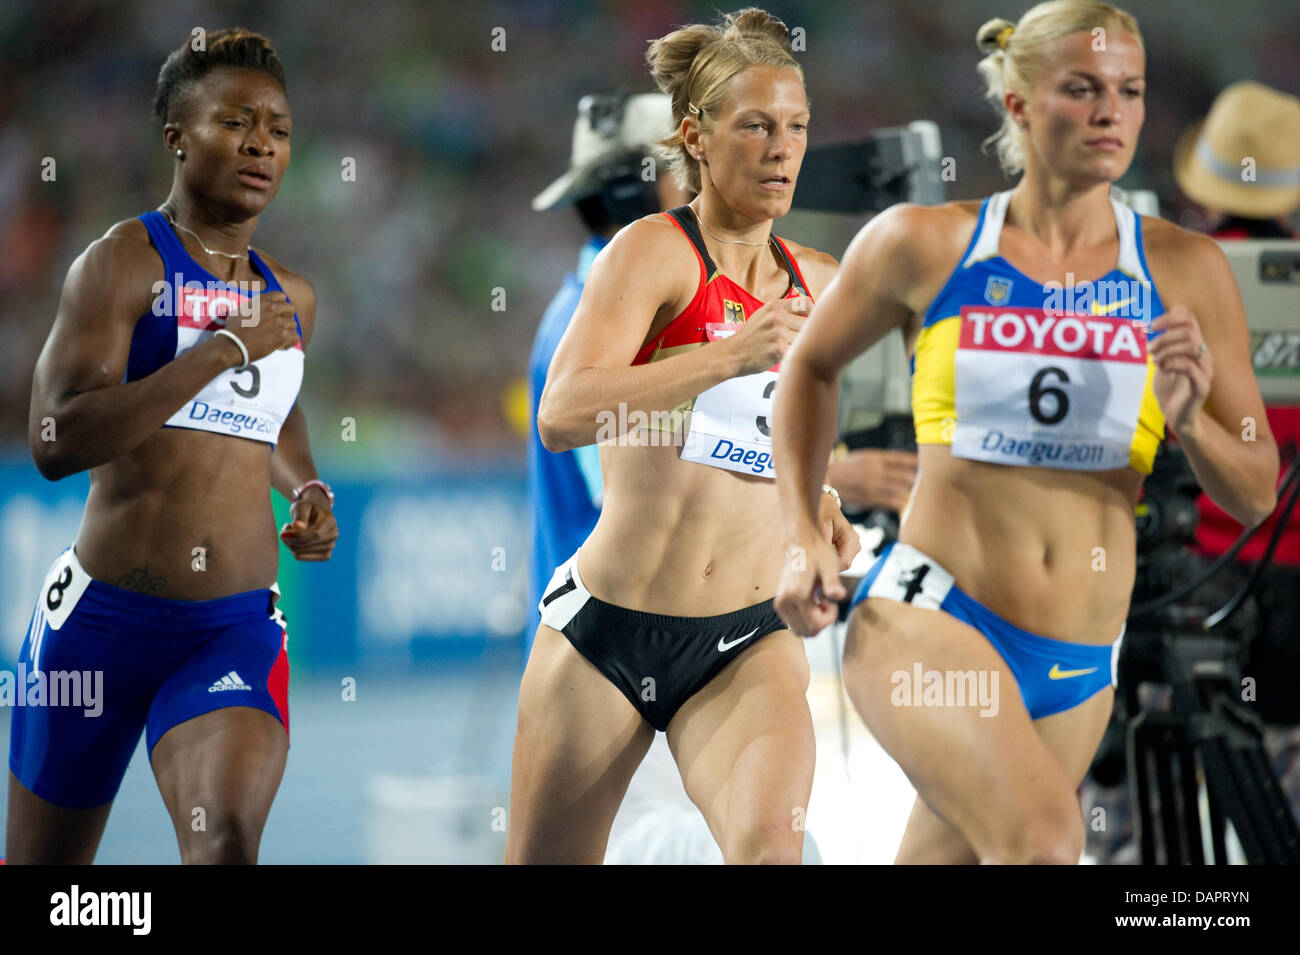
{"x":192,"y":507}
{"x":1051,"y":551}
{"x":698,"y":538}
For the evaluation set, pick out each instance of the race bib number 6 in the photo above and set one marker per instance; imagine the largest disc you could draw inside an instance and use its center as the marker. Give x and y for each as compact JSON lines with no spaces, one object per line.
{"x":1047,"y":390}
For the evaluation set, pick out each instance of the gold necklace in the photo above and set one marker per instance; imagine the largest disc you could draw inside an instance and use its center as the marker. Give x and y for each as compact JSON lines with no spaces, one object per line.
{"x":700,"y":220}
{"x":228,"y":255}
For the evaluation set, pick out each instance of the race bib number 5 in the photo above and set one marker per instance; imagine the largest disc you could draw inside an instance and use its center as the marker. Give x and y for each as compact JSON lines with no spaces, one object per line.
{"x":1045,"y":390}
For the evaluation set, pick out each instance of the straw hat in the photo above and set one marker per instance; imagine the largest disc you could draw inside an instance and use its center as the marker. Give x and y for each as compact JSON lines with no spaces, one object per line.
{"x":1246,"y":121}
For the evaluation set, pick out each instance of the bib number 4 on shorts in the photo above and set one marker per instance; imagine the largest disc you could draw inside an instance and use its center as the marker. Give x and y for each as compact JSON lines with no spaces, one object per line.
{"x":1048,"y":390}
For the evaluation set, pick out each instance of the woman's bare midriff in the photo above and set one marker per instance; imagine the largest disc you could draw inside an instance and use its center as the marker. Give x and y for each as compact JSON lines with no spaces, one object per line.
{"x":680,"y":538}
{"x":150,"y":510}
{"x":1050,"y":551}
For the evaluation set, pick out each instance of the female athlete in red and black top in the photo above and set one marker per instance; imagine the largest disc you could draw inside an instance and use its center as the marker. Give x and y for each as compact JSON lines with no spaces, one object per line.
{"x":664,"y":619}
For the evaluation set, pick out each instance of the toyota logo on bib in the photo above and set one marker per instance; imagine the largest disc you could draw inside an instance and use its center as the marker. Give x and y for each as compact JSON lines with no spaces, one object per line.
{"x":1027,"y":330}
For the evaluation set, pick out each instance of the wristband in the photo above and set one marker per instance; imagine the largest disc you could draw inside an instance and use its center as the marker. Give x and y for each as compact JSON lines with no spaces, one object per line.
{"x":234,"y":338}
{"x":314,"y":482}
{"x":835,"y":495}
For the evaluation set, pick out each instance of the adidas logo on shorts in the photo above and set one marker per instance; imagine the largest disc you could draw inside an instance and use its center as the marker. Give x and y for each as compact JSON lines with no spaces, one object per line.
{"x":231,"y":681}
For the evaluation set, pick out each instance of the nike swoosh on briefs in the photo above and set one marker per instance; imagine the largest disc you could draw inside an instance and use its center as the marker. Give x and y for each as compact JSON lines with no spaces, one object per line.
{"x":1056,"y":673}
{"x":723,"y":646}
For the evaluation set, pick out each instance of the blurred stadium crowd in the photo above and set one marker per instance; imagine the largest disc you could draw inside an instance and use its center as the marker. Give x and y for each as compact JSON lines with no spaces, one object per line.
{"x":430,"y":269}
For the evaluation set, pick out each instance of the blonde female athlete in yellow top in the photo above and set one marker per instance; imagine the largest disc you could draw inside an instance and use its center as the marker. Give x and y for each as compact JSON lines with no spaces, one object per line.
{"x":1054,"y":334}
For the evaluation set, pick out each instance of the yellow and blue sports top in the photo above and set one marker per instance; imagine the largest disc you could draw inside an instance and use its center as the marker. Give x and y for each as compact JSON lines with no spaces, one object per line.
{"x":1010,"y":371}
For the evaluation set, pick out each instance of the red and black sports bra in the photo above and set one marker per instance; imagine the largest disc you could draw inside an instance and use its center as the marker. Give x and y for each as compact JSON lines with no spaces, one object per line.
{"x":717,"y":299}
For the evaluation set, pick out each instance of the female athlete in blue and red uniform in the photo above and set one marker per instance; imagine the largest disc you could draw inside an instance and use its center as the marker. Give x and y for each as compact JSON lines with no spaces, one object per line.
{"x":172,"y":374}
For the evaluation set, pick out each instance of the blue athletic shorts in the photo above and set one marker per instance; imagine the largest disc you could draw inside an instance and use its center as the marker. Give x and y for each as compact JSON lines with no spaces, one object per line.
{"x":1053,"y":675}
{"x":100,"y":664}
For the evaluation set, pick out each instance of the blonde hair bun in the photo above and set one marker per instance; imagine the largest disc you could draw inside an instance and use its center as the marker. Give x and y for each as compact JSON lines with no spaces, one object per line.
{"x":754,"y":22}
{"x":694,"y":64}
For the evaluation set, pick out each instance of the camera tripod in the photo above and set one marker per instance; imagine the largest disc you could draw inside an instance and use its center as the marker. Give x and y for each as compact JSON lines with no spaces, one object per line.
{"x":1205,"y":723}
{"x":1206,"y":727}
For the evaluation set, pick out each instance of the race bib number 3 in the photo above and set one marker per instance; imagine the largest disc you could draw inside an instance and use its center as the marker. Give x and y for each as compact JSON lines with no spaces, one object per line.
{"x":731,"y":425}
{"x":1057,"y":391}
